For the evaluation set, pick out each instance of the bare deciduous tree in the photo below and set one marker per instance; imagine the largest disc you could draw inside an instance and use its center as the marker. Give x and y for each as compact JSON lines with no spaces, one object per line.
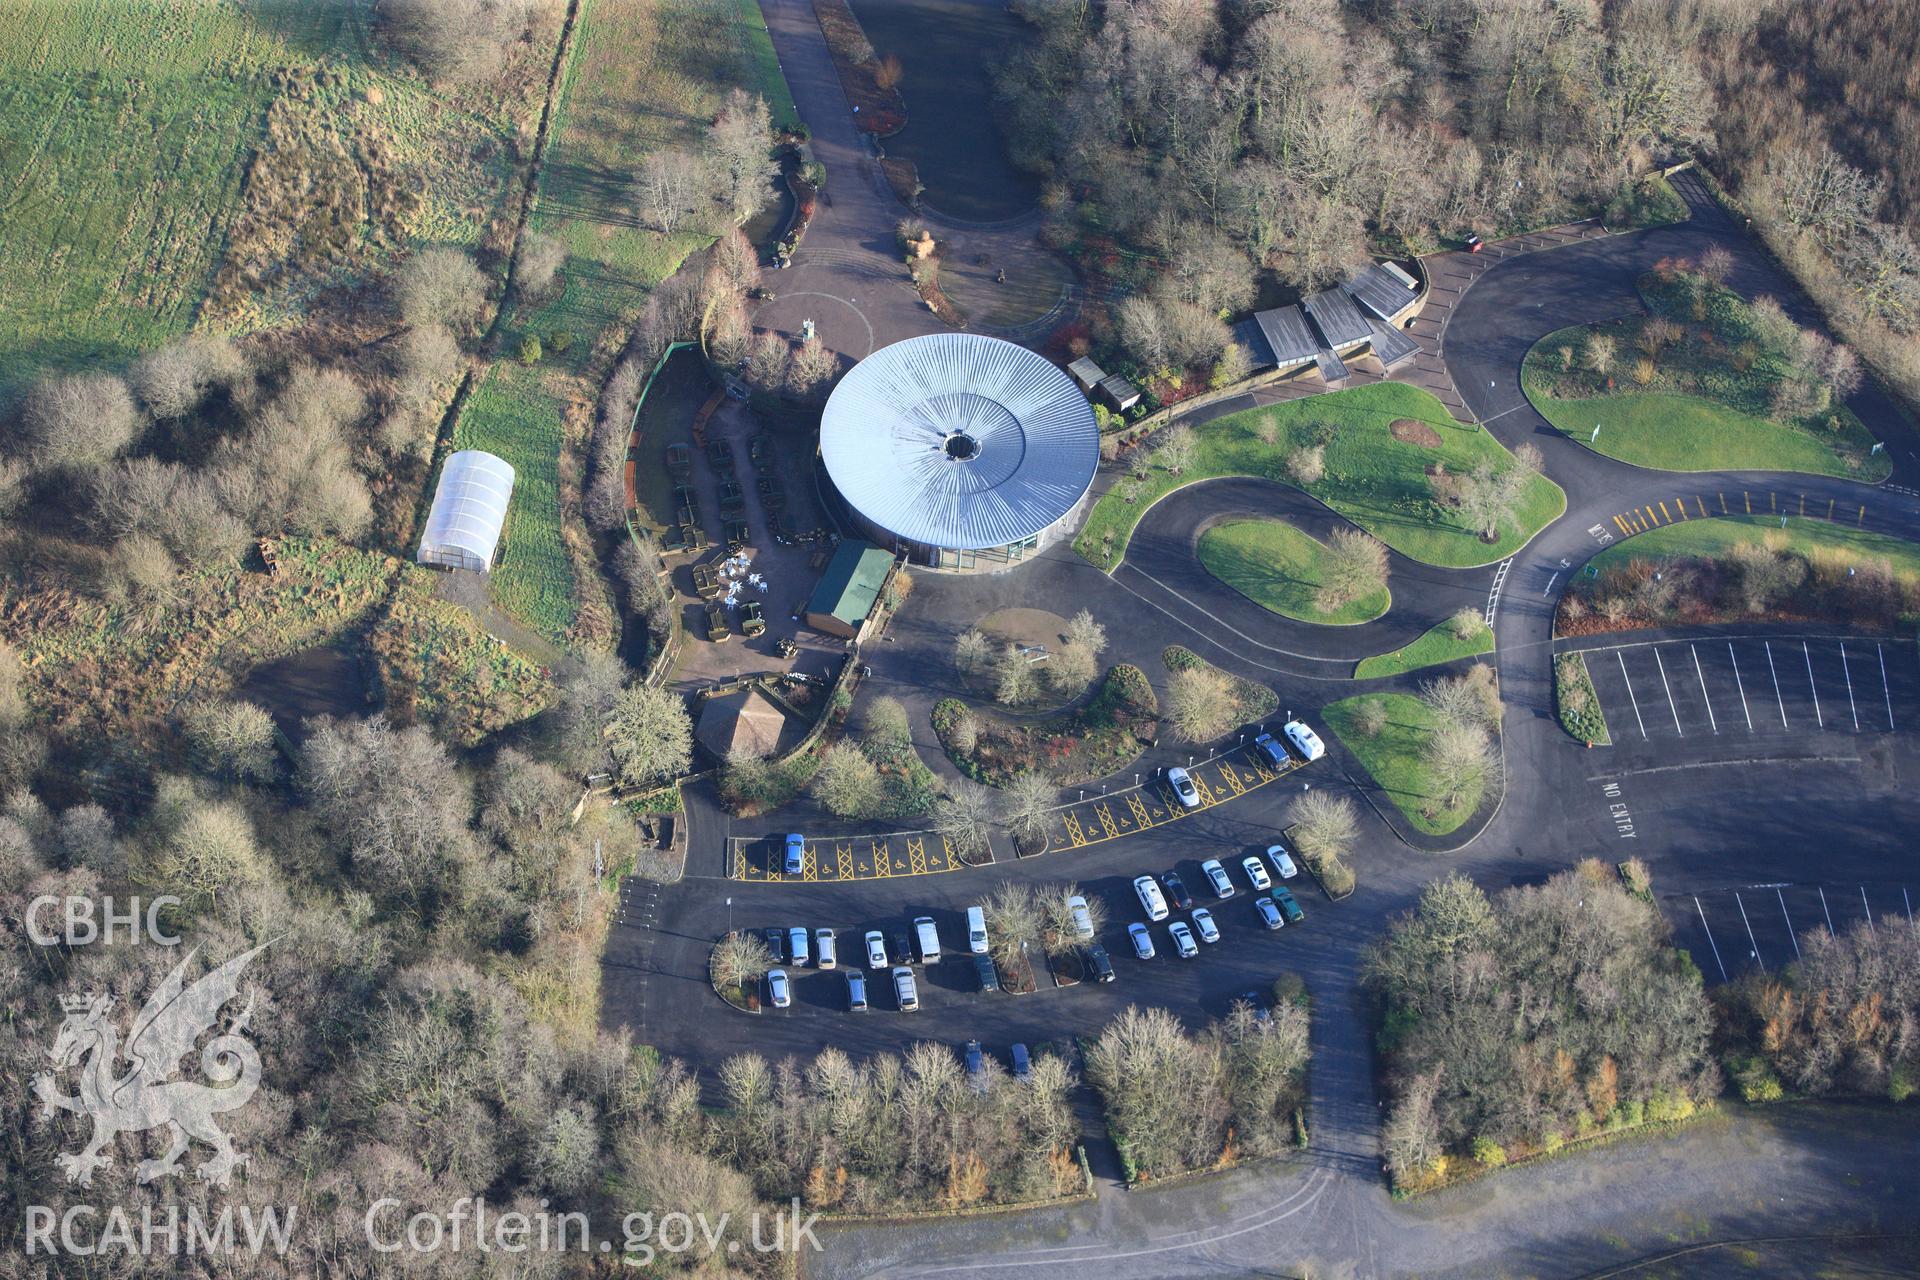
{"x":650,"y":735}
{"x":964,"y":816}
{"x":441,"y":286}
{"x":1026,"y":803}
{"x":537,"y":263}
{"x":668,"y":187}
{"x":78,"y":420}
{"x":1200,"y":703}
{"x":464,"y":40}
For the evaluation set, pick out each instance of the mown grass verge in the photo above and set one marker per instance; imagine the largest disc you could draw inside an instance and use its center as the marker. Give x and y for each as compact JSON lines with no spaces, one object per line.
{"x":1282,"y":570}
{"x":1393,"y":758}
{"x":1441,"y":643}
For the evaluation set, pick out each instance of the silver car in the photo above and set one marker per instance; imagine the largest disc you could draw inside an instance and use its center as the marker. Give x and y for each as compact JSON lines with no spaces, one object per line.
{"x":1217,"y":877}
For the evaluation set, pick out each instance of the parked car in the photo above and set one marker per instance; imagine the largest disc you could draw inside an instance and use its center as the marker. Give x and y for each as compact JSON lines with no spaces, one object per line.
{"x":797,"y":948}
{"x":1257,"y":872}
{"x":796,"y":859}
{"x":1177,"y":891}
{"x":1292,"y":909}
{"x":1269,"y":913}
{"x":826,"y":953}
{"x":1022,"y":1064}
{"x":1183,"y":942}
{"x":929,"y":938}
{"x":1151,"y":900}
{"x":902,"y":948}
{"x":1204,"y":926}
{"x":904,"y":992}
{"x":976,"y":1065}
{"x":1217,"y":877}
{"x":856,"y":991}
{"x":989,"y":976}
{"x":977,"y":930}
{"x":1183,"y":789}
{"x":1269,"y":747}
{"x":876,"y":949}
{"x":1282,"y":861}
{"x":1098,"y":961}
{"x":776,"y":944}
{"x":1082,"y":918}
{"x":779,"y":993}
{"x":1142,"y":940}
{"x":1304,"y":740}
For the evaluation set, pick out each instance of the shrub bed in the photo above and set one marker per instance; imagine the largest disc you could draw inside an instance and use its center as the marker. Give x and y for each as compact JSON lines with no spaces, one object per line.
{"x":1072,"y":747}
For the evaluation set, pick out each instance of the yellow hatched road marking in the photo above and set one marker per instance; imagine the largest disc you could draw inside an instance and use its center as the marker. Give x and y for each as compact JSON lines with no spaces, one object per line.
{"x":917,"y":855}
{"x":1074,"y":833}
{"x":1652,"y":519}
{"x":739,"y":862}
{"x":843,"y":854}
{"x":1231,"y":776}
{"x":882,"y":863}
{"x":1749,"y":498}
{"x":1206,"y":792}
{"x":1701,"y":503}
{"x":1139,"y":807}
{"x":1624,"y":530}
{"x":1106,"y":820}
{"x":1663,"y":511}
{"x":947,"y":853}
{"x":1723,"y":504}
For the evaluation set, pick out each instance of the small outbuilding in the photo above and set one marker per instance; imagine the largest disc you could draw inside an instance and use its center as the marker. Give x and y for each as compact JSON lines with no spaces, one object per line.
{"x":1119,"y":394}
{"x":469,"y":510}
{"x":846,"y":592}
{"x":742,"y":723}
{"x":1085,"y":372}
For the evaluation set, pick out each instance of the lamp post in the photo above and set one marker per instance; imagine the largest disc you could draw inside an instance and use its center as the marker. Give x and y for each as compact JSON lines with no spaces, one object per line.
{"x":729,"y":916}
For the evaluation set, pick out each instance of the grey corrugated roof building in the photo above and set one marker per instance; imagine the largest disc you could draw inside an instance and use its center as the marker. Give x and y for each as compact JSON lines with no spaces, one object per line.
{"x":961,"y":450}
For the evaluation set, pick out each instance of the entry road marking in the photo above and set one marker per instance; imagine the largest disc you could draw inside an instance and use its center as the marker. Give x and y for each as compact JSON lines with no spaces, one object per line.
{"x":1711,"y":718}
{"x":1669,"y":688}
{"x":1710,"y":942}
{"x":1849,"y":670}
{"x":1755,"y":945}
{"x":1808,"y":654}
{"x":1775,"y":672}
{"x":1789,"y":920}
{"x":1740,"y":686}
{"x":1883,"y":685}
{"x":1630,"y":695}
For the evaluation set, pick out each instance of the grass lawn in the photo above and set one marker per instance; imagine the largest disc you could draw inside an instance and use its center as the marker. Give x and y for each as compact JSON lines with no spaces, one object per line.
{"x":1712,"y":539}
{"x":1375,"y":480}
{"x":1280,"y":568}
{"x":1705,"y":402}
{"x":750,"y":29}
{"x":1438,"y":645}
{"x":1392,"y":756}
{"x":513,"y":415}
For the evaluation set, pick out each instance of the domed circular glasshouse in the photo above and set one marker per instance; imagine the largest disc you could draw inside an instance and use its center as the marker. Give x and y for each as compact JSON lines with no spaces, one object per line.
{"x":960,"y":450}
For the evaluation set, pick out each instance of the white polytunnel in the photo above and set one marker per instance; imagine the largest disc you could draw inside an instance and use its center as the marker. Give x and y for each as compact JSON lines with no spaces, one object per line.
{"x":469,"y":510}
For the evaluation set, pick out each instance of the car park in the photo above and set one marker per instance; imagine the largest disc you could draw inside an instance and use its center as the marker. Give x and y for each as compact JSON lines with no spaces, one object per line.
{"x":1217,"y":877}
{"x":1269,"y":747}
{"x":904,"y":992}
{"x":1282,"y":861}
{"x":1204,"y":926}
{"x":856,"y":990}
{"x":977,"y":931}
{"x":1150,"y":897}
{"x":976,"y":1065}
{"x":1183,"y":942}
{"x":1142,"y":941}
{"x":1177,"y":891}
{"x":1284,"y":897}
{"x":1183,"y":789}
{"x":1256,"y":872}
{"x":795,"y":861}
{"x":989,"y":976}
{"x":826,"y":953}
{"x":1100,"y":963}
{"x":1304,"y":740}
{"x":797,"y":947}
{"x":1269,"y":913}
{"x":779,"y":992}
{"x":929,"y":939}
{"x":876,"y":949}
{"x":1022,"y":1064}
{"x":1082,"y":917}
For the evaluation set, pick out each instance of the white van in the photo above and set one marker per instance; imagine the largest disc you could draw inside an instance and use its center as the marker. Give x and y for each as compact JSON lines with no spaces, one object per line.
{"x":928,"y":938}
{"x":977,"y":931}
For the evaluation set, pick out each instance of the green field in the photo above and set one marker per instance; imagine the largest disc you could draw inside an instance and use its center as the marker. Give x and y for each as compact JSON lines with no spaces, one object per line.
{"x":1438,"y":645}
{"x":1392,"y":757}
{"x":126,"y":132}
{"x":1713,"y":538}
{"x":512,"y":415}
{"x":750,"y":30}
{"x":1280,"y":568}
{"x":1373,"y":479}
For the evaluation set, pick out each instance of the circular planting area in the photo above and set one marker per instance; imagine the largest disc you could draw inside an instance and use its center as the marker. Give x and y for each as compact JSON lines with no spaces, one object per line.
{"x":1284,"y":570}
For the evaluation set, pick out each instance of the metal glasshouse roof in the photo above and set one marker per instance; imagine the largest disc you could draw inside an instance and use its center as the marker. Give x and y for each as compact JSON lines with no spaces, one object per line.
{"x":959,"y":440}
{"x":469,"y":508}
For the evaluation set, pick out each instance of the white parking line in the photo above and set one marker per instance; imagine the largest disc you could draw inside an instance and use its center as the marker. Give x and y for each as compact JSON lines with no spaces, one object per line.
{"x":1869,"y":910}
{"x":1849,"y":671}
{"x":1825,"y":909}
{"x":1669,"y":688}
{"x":1711,"y":718}
{"x":1909,"y":901}
{"x":1739,"y":684}
{"x":1789,"y":920}
{"x":1630,"y":695}
{"x":1755,"y":945}
{"x":1775,"y":673}
{"x":1817,"y":717}
{"x":1710,"y":942}
{"x":1883,"y":685}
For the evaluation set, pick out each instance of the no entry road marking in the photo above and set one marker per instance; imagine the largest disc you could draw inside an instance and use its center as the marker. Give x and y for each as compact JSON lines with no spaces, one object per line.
{"x":1740,"y":685}
{"x":1630,"y":696}
{"x":1711,"y":718}
{"x":1669,"y":688}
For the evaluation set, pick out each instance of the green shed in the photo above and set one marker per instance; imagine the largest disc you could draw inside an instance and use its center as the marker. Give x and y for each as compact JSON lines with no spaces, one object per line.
{"x":846,"y":591}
